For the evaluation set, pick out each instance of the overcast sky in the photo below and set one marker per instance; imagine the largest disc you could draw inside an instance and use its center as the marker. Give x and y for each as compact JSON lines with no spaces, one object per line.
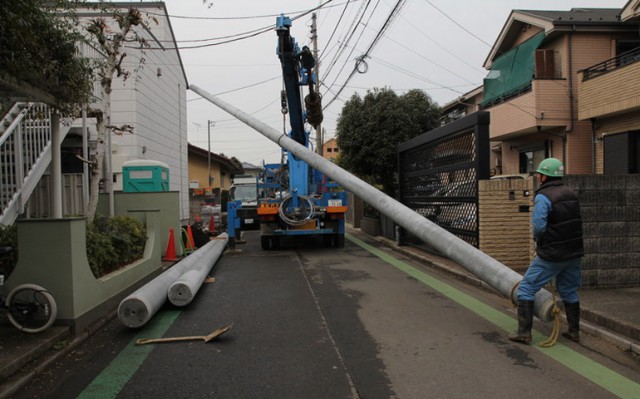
{"x":438,"y":46}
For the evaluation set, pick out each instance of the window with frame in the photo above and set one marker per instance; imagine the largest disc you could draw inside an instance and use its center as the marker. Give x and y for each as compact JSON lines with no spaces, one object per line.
{"x":531,"y":156}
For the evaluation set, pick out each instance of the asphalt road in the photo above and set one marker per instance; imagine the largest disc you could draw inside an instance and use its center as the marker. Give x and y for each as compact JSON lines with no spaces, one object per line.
{"x":310,"y":322}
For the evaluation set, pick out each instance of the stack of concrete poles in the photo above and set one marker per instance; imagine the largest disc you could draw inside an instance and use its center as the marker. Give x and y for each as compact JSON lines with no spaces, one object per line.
{"x":182,"y":291}
{"x":187,"y":276}
{"x":489,"y":270}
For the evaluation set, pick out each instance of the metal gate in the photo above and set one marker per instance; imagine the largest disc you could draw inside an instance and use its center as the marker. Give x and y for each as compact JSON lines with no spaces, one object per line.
{"x":439,"y":173}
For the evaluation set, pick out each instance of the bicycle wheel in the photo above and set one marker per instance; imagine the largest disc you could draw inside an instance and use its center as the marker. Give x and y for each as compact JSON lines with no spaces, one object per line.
{"x":32,"y":309}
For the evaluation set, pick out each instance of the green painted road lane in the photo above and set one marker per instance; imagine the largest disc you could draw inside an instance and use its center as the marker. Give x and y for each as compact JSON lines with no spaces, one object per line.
{"x":588,"y":368}
{"x":113,"y":378}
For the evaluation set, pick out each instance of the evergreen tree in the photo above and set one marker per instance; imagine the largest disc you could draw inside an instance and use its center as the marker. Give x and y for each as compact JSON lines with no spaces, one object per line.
{"x":369,"y":130}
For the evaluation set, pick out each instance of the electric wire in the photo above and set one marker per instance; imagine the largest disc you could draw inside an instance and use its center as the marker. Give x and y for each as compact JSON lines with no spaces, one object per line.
{"x":444,"y":68}
{"x":235,"y":38}
{"x":396,"y":10}
{"x":347,"y":38}
{"x":474,"y":67}
{"x":239,"y":88}
{"x":510,"y":103}
{"x":346,"y":45}
{"x":241,"y":17}
{"x":335,"y":28}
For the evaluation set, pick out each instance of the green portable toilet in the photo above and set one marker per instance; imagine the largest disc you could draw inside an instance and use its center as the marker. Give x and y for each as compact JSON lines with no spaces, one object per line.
{"x":145,"y":176}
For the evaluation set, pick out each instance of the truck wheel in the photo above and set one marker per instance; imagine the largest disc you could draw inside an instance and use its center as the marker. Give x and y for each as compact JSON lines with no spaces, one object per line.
{"x":338,"y":240}
{"x":265,"y":242}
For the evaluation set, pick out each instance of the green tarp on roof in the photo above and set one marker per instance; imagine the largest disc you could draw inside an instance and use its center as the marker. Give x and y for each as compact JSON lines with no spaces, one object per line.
{"x":512,"y":71}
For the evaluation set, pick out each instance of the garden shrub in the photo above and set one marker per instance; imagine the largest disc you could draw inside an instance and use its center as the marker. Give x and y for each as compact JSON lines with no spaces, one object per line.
{"x":114,"y":242}
{"x":8,"y":238}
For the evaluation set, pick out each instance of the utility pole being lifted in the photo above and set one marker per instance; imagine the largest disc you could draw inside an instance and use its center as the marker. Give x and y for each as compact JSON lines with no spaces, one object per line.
{"x":314,"y":40}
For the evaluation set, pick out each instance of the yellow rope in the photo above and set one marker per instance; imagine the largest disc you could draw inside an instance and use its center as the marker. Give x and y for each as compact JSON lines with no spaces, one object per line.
{"x":555,"y":331}
{"x":513,"y":289}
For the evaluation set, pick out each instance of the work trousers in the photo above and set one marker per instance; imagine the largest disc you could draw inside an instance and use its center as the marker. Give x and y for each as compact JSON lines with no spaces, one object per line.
{"x":540,"y":272}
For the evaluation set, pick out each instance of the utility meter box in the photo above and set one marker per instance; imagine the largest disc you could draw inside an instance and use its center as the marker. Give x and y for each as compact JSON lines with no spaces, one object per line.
{"x":145,"y":176}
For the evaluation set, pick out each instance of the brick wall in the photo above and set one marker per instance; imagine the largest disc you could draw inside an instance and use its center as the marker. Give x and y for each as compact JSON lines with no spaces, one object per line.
{"x":505,"y":221}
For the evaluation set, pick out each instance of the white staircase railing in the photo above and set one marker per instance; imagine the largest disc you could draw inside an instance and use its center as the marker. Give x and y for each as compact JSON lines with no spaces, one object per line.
{"x":25,"y":154}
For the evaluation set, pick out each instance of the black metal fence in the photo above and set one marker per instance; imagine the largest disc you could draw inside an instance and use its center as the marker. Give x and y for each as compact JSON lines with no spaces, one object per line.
{"x":439,"y":173}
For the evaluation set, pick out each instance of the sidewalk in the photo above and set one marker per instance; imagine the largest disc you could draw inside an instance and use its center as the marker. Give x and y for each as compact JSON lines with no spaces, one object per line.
{"x":609,"y":314}
{"x":23,"y":355}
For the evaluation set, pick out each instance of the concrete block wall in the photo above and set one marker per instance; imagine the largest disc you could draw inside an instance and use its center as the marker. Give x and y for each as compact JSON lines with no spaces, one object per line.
{"x":504,"y":208}
{"x":610,"y":207}
{"x":355,"y":211}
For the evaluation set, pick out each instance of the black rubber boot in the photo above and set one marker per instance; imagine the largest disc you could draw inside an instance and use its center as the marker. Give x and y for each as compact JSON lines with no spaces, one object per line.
{"x":525,"y":322}
{"x":573,"y":320}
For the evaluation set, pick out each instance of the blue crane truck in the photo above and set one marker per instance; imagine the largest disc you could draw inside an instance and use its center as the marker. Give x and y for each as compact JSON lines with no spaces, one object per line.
{"x":296,"y":200}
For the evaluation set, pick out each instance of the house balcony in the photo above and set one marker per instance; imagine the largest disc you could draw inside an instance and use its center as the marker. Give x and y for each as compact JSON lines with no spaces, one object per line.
{"x":611,"y":87}
{"x":544,"y":107}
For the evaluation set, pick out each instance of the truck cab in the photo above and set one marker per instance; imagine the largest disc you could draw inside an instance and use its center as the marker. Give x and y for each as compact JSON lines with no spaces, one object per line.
{"x":245,"y":191}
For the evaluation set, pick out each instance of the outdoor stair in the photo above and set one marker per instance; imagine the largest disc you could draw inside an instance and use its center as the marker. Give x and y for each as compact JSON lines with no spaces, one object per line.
{"x":25,"y":154}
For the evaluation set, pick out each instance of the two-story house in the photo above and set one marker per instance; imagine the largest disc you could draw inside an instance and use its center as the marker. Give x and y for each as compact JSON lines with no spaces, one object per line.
{"x":531,"y":90}
{"x":609,"y":98}
{"x":330,"y":149}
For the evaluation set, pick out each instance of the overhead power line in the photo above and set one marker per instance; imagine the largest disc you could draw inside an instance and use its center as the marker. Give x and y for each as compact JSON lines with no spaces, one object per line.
{"x":241,"y":88}
{"x":239,"y":36}
{"x":394,"y":13}
{"x":241,"y":17}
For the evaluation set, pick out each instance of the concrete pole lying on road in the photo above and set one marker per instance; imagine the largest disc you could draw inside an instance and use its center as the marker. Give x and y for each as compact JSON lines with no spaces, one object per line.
{"x":489,"y":270}
{"x":182,"y":291}
{"x":138,"y":308}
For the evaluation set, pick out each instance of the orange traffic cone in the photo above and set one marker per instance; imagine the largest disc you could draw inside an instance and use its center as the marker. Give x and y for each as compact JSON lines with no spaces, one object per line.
{"x":212,"y":225}
{"x":191,"y":243}
{"x":170,"y":255}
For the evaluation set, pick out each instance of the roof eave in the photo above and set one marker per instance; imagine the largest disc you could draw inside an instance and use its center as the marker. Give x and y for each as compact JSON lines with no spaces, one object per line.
{"x":551,"y":27}
{"x":514,"y":24}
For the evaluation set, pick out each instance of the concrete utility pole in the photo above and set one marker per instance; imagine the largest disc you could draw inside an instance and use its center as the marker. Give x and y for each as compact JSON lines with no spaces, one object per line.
{"x":209,"y":125}
{"x":138,"y":308}
{"x":314,"y":39}
{"x":489,"y":270}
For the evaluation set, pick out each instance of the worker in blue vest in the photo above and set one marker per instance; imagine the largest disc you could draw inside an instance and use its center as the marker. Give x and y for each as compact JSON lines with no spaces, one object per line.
{"x":557,"y":231}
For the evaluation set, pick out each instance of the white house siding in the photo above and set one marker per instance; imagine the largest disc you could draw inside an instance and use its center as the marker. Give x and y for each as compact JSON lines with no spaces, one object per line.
{"x":154,"y":104}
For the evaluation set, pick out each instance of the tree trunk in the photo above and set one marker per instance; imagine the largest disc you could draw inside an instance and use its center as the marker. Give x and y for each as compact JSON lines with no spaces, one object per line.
{"x":111,"y":44}
{"x":96,"y":171}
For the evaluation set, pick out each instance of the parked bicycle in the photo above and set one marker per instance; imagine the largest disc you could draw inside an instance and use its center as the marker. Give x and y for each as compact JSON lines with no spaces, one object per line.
{"x":29,"y":307}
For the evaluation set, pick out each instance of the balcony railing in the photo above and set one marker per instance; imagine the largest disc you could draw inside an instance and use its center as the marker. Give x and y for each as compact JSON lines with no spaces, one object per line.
{"x":611,"y":64}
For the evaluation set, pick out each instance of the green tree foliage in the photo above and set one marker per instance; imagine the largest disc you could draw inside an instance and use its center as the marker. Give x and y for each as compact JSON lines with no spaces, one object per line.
{"x":369,"y":130}
{"x":39,"y":48}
